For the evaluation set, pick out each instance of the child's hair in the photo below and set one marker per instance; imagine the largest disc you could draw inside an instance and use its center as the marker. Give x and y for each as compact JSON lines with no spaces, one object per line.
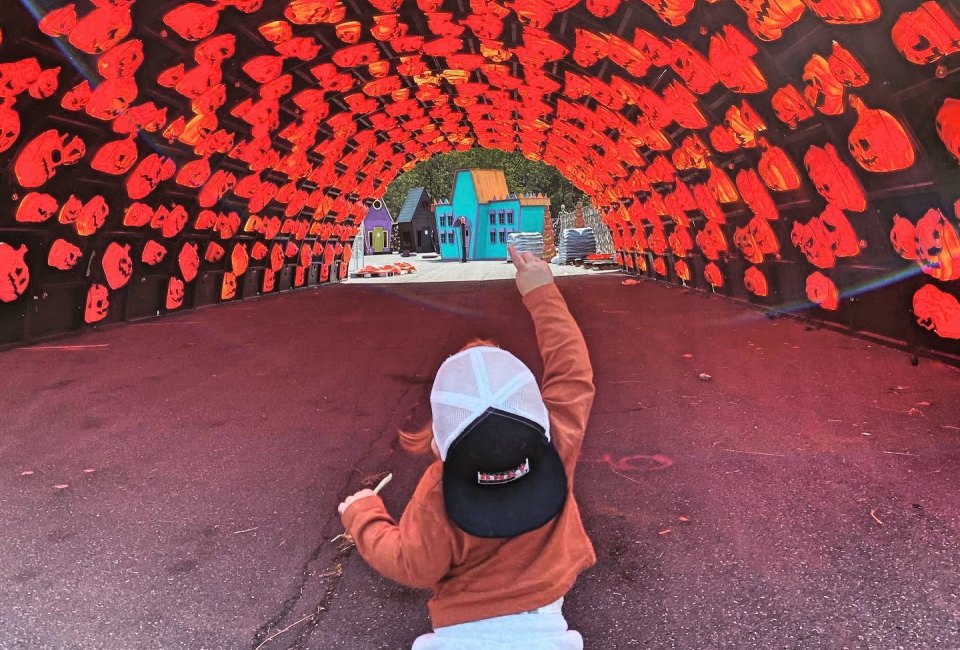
{"x":417,"y":441}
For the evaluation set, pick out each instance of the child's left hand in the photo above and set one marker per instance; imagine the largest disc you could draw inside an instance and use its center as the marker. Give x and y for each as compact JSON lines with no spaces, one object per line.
{"x":354,"y":497}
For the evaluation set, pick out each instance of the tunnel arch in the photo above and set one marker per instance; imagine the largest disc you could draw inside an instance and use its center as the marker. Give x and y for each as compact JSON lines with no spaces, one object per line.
{"x":163,"y":155}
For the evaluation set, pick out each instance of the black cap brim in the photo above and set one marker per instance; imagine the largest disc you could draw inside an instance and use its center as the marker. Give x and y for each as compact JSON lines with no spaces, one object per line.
{"x":500,"y":441}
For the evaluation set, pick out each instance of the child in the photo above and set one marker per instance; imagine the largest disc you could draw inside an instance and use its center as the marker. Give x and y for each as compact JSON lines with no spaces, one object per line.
{"x":493,"y":527}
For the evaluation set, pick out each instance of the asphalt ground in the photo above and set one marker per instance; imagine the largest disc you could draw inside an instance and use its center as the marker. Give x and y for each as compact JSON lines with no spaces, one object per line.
{"x":173,"y":483}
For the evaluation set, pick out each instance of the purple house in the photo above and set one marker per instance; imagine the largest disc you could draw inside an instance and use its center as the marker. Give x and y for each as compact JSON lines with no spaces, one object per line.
{"x":378,"y":227}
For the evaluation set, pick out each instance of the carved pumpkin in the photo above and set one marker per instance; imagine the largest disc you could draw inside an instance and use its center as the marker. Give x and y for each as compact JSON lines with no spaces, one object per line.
{"x":948,"y":125}
{"x":59,"y":22}
{"x":14,"y":273}
{"x":36,"y":208}
{"x":812,"y":240}
{"x":149,"y":172}
{"x":40,"y":158}
{"x":117,"y":265}
{"x":239,"y":259}
{"x":712,"y":241}
{"x":721,"y":186}
{"x":790,"y":106}
{"x":755,"y":195}
{"x":878,"y":142}
{"x":938,"y":246}
{"x":192,"y":21}
{"x":115,"y":158}
{"x":937,"y":311}
{"x":821,"y":87}
{"x":822,"y":291}
{"x":839,"y":232}
{"x":845,"y":12}
{"x":776,"y":169}
{"x":63,"y":255}
{"x":713,"y":275}
{"x":189,"y":261}
{"x":228,"y":290}
{"x":833,"y":179}
{"x":153,"y":253}
{"x":101,"y":29}
{"x":92,"y":216}
{"x":175,"y":293}
{"x":98,"y":302}
{"x":692,"y":67}
{"x":768,"y":18}
{"x":926,"y":35}
{"x":9,"y":125}
{"x":660,"y":266}
{"x":755,"y":282}
{"x":903,"y":237}
{"x":682,"y":269}
{"x":731,"y":56}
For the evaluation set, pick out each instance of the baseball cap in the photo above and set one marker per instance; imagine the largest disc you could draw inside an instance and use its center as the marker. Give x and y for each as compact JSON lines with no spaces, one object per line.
{"x":502,"y":476}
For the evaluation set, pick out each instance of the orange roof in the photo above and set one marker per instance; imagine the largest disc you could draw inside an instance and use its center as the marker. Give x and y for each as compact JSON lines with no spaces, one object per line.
{"x":491,"y":184}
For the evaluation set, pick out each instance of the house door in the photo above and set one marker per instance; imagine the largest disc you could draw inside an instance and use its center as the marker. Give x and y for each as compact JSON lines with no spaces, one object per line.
{"x":378,"y":239}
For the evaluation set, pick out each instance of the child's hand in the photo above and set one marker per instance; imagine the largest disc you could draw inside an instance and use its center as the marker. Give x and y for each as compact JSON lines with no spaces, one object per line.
{"x":362,"y":494}
{"x":532,"y":272}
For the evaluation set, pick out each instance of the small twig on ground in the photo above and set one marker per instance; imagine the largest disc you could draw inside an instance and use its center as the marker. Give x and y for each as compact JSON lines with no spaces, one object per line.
{"x":902,"y":453}
{"x":912,"y":411}
{"x":276,"y":634}
{"x":756,"y":453}
{"x":873,"y":513}
{"x":624,"y":476}
{"x":245,"y":530}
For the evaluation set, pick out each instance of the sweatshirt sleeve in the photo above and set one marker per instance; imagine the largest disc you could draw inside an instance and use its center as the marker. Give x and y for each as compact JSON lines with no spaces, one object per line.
{"x":414,"y":552}
{"x":567,"y":386}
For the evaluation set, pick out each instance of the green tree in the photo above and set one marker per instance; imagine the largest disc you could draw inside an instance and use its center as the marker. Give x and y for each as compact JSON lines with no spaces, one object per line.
{"x":522,"y":175}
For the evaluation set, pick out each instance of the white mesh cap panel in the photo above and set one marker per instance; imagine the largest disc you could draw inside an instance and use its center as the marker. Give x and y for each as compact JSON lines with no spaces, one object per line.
{"x":471,"y":381}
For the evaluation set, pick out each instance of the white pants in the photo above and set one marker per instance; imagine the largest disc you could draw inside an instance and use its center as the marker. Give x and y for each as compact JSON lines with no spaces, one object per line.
{"x":540,"y":629}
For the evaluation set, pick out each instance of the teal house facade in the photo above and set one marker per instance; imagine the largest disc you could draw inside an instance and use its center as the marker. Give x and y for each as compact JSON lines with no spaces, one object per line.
{"x":491,"y":212}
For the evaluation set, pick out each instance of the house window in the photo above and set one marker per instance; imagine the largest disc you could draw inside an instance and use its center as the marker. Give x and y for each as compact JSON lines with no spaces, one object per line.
{"x":510,"y":217}
{"x":502,"y":218}
{"x":493,"y":218}
{"x":503,"y":237}
{"x":493,"y":237}
{"x":443,"y":238}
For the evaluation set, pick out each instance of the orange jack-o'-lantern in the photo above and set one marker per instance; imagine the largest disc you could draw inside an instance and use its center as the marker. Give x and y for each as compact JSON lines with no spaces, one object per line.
{"x":660,"y":266}
{"x":239,"y":259}
{"x":755,"y":195}
{"x":215,"y":188}
{"x":790,"y":106}
{"x":713,"y":275}
{"x":821,"y":88}
{"x":192,"y":21}
{"x":122,"y":60}
{"x":9,"y":126}
{"x":948,"y":125}
{"x":149,"y":173}
{"x":194,"y":173}
{"x":214,"y":252}
{"x":175,"y":293}
{"x":40,"y":158}
{"x":117,"y":265}
{"x":71,"y":210}
{"x":903,"y":237}
{"x":776,"y":169}
{"x":938,"y":246}
{"x":682,"y":106}
{"x":189,"y":261}
{"x":720,"y":185}
{"x":102,"y":28}
{"x":768,"y":18}
{"x":833,"y":179}
{"x":839,"y":232}
{"x":712,"y":241}
{"x":228,"y":290}
{"x":682,"y":269}
{"x":153,"y":253}
{"x":878,"y":142}
{"x":137,"y":214}
{"x":845,"y":12}
{"x":18,"y":76}
{"x":926,"y":35}
{"x":731,"y":56}
{"x":755,"y":282}
{"x":63,"y":255}
{"x":589,"y":48}
{"x":36,"y":208}
{"x":115,"y":157}
{"x":92,"y":216}
{"x":681,"y":243}
{"x":692,"y":67}
{"x":59,"y":22}
{"x":937,"y":311}
{"x":822,"y":291}
{"x":14,"y":273}
{"x":269,"y":279}
{"x":743,"y":239}
{"x":98,"y":303}
{"x":111,"y":98}
{"x":766,"y":240}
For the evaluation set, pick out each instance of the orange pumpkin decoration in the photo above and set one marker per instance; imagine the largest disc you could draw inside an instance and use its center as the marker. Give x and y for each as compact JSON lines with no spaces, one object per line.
{"x":189,"y":261}
{"x":833,"y":179}
{"x":153,"y":253}
{"x":98,"y":303}
{"x":926,"y":35}
{"x":713,"y":275}
{"x":228,"y":289}
{"x":9,"y":125}
{"x":822,"y":291}
{"x":660,"y":266}
{"x":712,"y":241}
{"x":790,"y":106}
{"x":937,"y":311}
{"x":731,"y":56}
{"x":776,"y":169}
{"x":938,"y":246}
{"x":175,"y":293}
{"x":117,"y":265}
{"x":878,"y":142}
{"x":239,"y":259}
{"x":768,"y":18}
{"x":682,"y":270}
{"x":755,"y":282}
{"x":36,"y":208}
{"x":845,"y":12}
{"x":40,"y":158}
{"x":903,"y":237}
{"x":116,"y":157}
{"x":755,"y":195}
{"x":948,"y":125}
{"x":63,"y":255}
{"x":14,"y":272}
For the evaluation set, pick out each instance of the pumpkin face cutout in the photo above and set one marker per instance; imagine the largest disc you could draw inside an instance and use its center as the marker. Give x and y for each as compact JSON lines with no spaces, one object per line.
{"x":822,"y":291}
{"x":903,"y":237}
{"x":189,"y":261}
{"x":845,"y":12}
{"x":790,"y":106}
{"x":117,"y":265}
{"x":101,"y":29}
{"x":41,"y":157}
{"x":63,"y":255}
{"x":98,"y":302}
{"x":712,"y":241}
{"x":925,"y":35}
{"x":755,"y":195}
{"x":833,"y":179}
{"x":14,"y":273}
{"x":149,"y":172}
{"x":812,"y":240}
{"x":115,"y":158}
{"x":731,"y":56}
{"x":153,"y":253}
{"x":878,"y":142}
{"x":776,"y":169}
{"x":713,"y":275}
{"x":92,"y":216}
{"x":768,"y":18}
{"x":228,"y":289}
{"x":36,"y":207}
{"x":175,"y":293}
{"x":743,"y":239}
{"x":755,"y":282}
{"x":948,"y":125}
{"x":938,"y":246}
{"x":9,"y":126}
{"x":239,"y":259}
{"x":937,"y":311}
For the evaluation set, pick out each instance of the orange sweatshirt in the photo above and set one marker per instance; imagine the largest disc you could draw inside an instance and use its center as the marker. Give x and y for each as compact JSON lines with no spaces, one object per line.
{"x":474,"y":578}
